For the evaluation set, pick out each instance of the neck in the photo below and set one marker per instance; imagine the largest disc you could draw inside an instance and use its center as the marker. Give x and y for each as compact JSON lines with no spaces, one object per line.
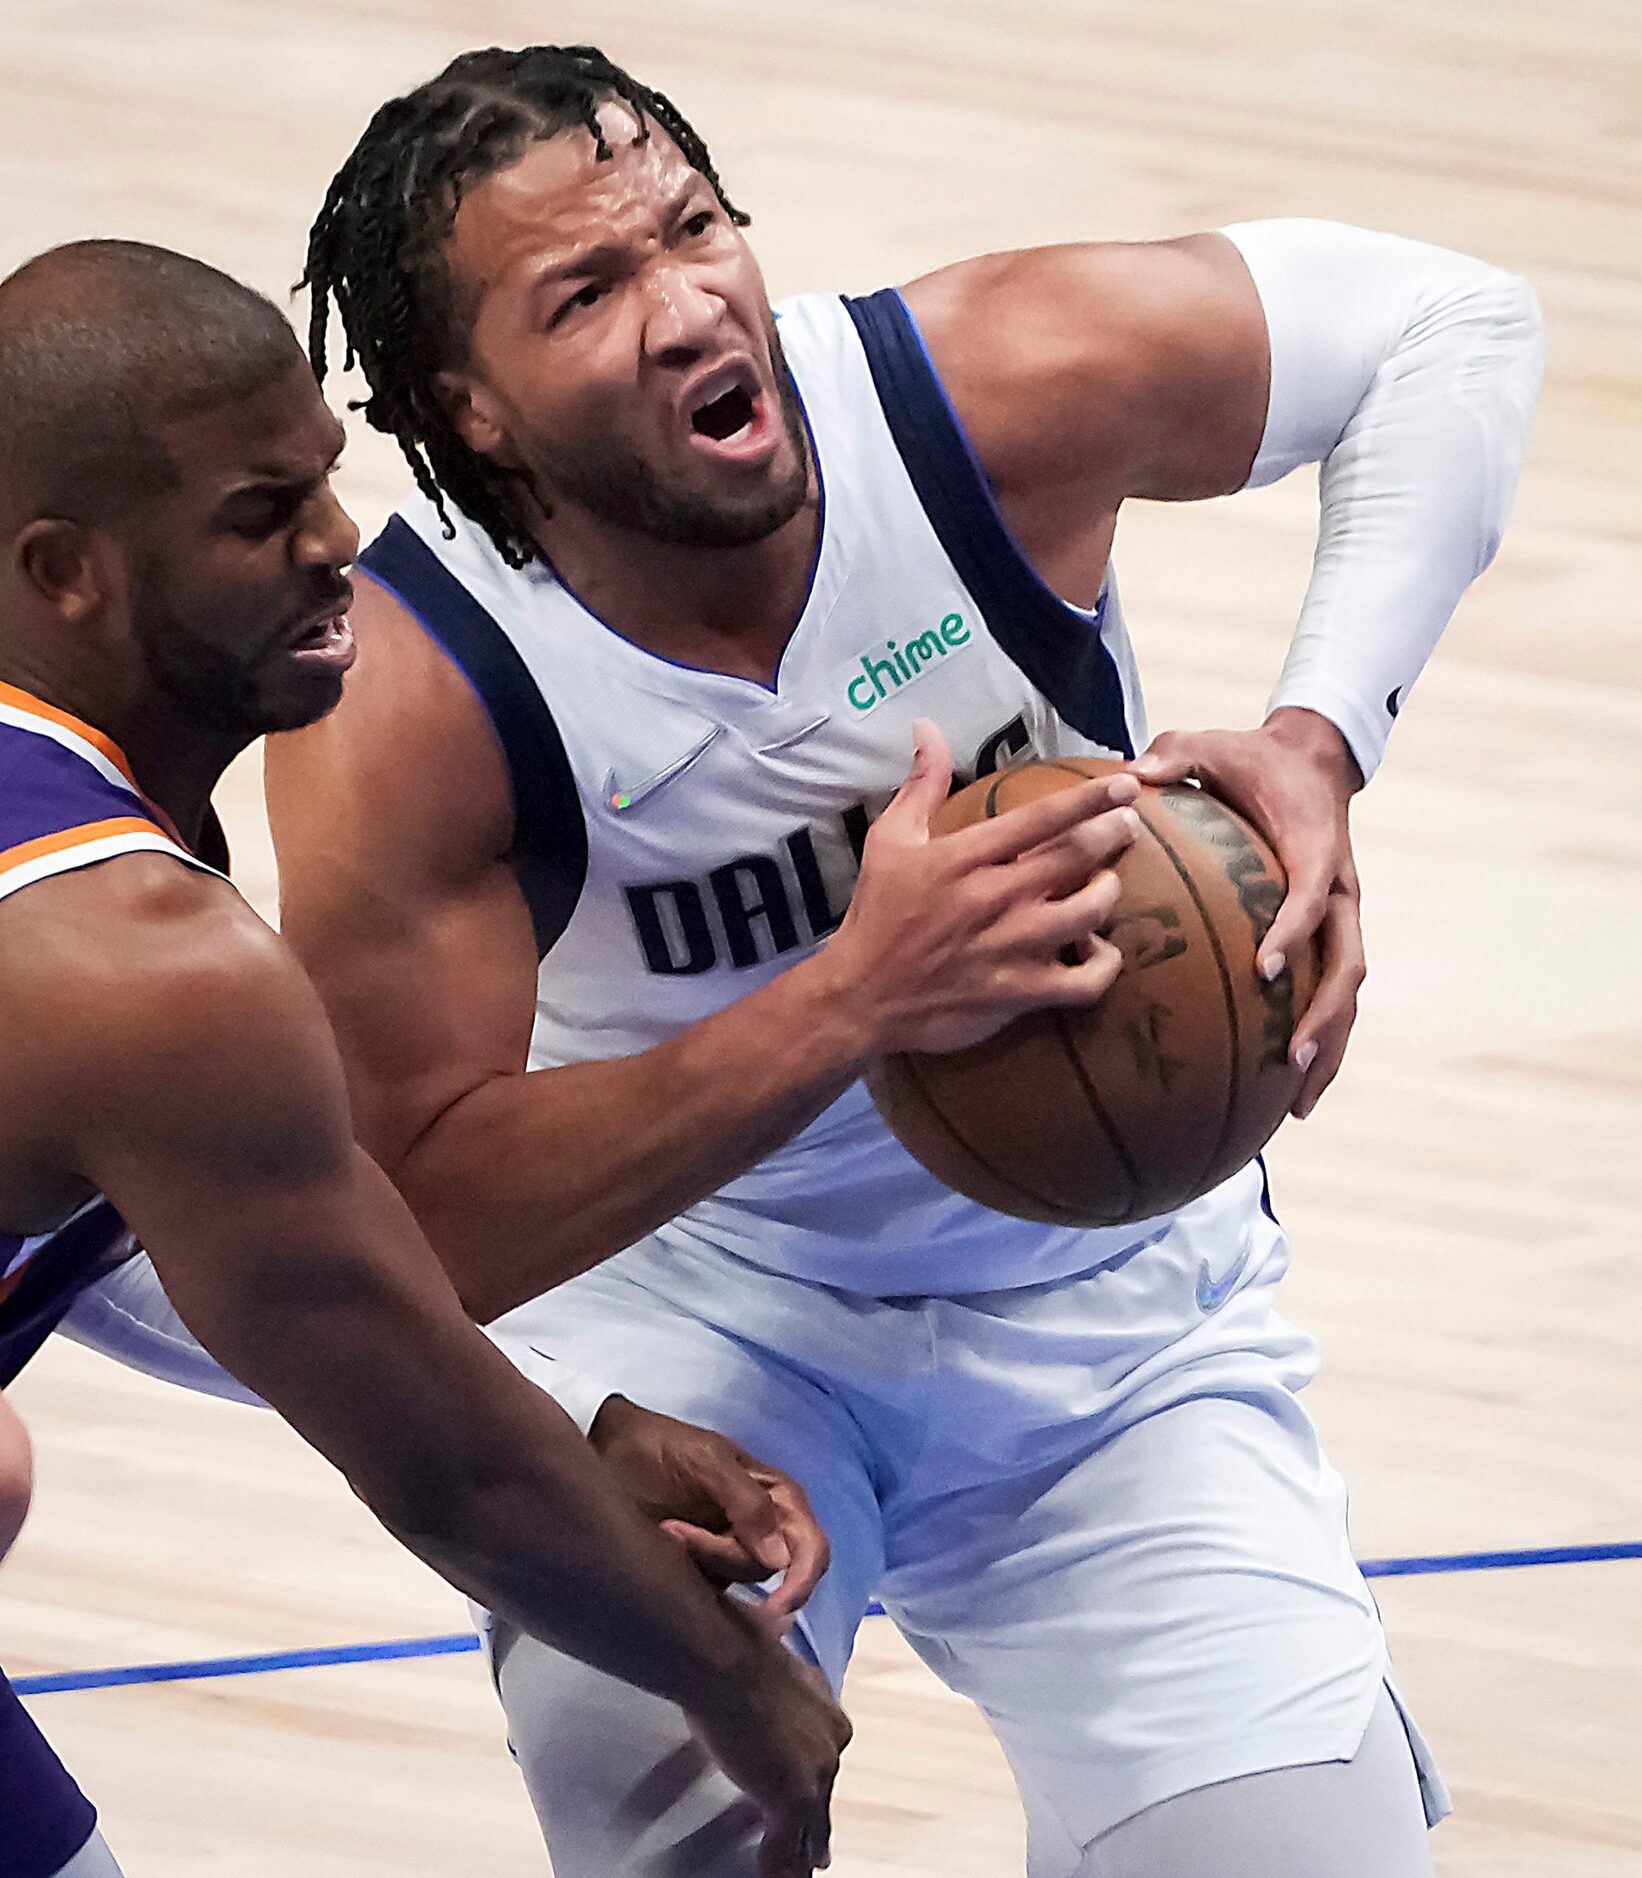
{"x":722,"y":609}
{"x":176,"y":764}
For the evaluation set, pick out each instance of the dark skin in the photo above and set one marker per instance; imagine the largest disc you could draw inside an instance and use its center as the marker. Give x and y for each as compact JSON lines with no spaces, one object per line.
{"x":226,"y":1142}
{"x":599,"y":295}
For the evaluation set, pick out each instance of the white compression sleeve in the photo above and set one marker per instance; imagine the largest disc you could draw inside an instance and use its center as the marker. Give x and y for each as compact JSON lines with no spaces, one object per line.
{"x":126,"y":1315}
{"x":1410,"y":374}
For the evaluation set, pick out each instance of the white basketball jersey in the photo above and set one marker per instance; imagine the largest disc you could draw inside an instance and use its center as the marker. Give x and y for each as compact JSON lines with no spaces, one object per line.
{"x":683,"y":836}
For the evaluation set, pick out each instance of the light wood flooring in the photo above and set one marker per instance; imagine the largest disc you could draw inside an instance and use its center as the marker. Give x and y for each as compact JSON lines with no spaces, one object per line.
{"x":1465,"y":1203}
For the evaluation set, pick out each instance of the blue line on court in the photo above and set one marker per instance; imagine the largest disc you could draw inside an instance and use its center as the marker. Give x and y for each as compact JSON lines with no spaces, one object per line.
{"x":204,"y":1667}
{"x":1500,"y":1561}
{"x":207,"y":1667}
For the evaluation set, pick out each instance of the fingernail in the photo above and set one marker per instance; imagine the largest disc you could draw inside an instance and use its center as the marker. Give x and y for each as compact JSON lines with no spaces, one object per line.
{"x":1305,"y":1056}
{"x":1273,"y":967}
{"x":1144,"y":766}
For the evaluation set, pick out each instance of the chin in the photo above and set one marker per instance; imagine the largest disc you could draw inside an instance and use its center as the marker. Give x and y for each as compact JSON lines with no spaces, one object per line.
{"x":708,"y":520}
{"x":299,"y":707}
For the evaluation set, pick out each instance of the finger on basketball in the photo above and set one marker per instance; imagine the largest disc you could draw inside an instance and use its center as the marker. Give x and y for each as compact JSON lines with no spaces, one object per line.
{"x":1325,"y":1066}
{"x":1300,"y":915}
{"x":928,"y":781}
{"x":1016,"y":831}
{"x":1083,"y":983}
{"x":1302,"y":912}
{"x":1077,"y":917}
{"x":1320,"y":1038}
{"x":1171,"y":757}
{"x":1056,"y":868}
{"x":1051,"y":869}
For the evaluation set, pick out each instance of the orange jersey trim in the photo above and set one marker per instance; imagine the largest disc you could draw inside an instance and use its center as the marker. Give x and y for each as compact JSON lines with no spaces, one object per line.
{"x":80,"y":837}
{"x":34,"y":707}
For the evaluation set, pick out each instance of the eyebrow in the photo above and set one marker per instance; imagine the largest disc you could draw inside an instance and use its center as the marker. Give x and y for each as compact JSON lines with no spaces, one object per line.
{"x":283,"y":473}
{"x":261,"y":479}
{"x":600,"y":255}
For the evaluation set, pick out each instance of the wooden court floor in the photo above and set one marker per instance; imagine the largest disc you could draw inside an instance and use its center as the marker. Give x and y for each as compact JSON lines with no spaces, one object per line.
{"x":1466,"y":1202}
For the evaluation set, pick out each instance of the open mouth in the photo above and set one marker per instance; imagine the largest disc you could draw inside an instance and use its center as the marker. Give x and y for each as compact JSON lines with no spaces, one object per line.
{"x":327,"y":642}
{"x":726,"y":415}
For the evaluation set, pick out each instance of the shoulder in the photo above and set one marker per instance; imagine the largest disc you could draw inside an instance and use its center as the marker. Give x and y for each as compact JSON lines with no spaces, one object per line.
{"x":410,"y":747}
{"x":1068,"y":363}
{"x":154,"y":1005}
{"x":114,"y":943}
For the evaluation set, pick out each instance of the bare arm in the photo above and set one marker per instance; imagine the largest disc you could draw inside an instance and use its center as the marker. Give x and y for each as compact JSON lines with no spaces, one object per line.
{"x":191,"y":1076}
{"x":392,"y":819}
{"x":1089,"y":374}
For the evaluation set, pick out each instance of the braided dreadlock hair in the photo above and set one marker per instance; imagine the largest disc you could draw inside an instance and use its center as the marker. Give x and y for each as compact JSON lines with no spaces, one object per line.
{"x":375,"y":250}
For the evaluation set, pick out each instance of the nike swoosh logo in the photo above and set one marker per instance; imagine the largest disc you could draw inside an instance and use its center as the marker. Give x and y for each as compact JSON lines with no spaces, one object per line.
{"x":1212,"y":1292}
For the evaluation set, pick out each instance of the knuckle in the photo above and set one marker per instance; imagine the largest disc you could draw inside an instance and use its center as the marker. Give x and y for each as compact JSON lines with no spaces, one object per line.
{"x":973,"y":898}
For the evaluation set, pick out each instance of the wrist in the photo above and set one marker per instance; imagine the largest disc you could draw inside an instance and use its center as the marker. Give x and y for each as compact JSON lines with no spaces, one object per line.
{"x":610,"y":1422}
{"x":1320,"y":740}
{"x":834,"y":1009}
{"x":752,"y":1679}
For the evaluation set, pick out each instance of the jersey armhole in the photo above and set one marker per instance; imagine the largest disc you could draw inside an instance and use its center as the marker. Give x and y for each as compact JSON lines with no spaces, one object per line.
{"x":1061,"y":651}
{"x":87,"y":844}
{"x":549,"y":852}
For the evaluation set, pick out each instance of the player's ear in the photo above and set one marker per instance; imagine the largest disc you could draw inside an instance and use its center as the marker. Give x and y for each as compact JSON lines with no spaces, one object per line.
{"x":475,"y":418}
{"x":66,"y":565}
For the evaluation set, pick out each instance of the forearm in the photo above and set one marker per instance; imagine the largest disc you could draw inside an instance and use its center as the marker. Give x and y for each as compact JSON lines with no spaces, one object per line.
{"x":530,"y":1179}
{"x":338,"y":1317}
{"x":1410,"y":374}
{"x":541,"y":1534}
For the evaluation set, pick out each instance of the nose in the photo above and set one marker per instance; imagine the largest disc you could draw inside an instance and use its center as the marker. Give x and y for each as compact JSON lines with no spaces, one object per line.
{"x":329,"y":536}
{"x":680,"y":316}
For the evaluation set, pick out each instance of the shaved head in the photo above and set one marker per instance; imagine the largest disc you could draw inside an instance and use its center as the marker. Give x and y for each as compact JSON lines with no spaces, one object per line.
{"x":102,"y":344}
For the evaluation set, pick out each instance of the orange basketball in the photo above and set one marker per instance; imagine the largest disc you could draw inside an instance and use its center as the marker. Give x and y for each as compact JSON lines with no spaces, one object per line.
{"x":1174,"y":1080}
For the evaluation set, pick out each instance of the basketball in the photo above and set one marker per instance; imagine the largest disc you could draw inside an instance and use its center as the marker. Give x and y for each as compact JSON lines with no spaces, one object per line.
{"x":1173,"y":1081}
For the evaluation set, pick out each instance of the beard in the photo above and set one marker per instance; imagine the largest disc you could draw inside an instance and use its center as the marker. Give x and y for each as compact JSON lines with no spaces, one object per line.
{"x":216,"y":687}
{"x":615,"y":484}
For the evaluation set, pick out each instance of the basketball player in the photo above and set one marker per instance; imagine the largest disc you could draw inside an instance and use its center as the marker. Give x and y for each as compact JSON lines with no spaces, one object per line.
{"x":639,"y":664}
{"x":174,"y":584}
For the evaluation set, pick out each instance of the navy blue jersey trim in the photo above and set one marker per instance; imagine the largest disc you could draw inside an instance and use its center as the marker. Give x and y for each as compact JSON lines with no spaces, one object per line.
{"x":549,"y":854}
{"x":1060,"y":651}
{"x":1265,"y":1192}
